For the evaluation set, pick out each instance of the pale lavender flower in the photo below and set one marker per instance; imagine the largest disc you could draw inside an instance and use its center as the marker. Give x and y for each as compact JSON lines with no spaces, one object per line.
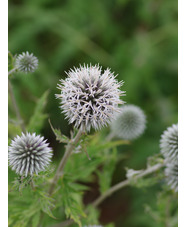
{"x":169,"y":149}
{"x":89,"y":98}
{"x":26,"y":62}
{"x":29,"y":154}
{"x":130,"y":123}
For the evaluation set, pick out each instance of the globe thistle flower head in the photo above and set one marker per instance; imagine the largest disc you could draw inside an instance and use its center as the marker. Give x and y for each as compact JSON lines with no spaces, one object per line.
{"x":169,"y":143}
{"x":169,"y":149}
{"x":29,"y":154}
{"x":171,"y":173}
{"x":89,"y":98}
{"x":26,"y":62}
{"x":130,"y":123}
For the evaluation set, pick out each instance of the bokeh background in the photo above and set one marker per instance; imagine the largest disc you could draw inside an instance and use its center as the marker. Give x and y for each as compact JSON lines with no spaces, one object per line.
{"x":137,"y":39}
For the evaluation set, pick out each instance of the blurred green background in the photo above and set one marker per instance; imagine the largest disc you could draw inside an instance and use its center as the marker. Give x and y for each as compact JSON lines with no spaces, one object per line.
{"x":137,"y":39}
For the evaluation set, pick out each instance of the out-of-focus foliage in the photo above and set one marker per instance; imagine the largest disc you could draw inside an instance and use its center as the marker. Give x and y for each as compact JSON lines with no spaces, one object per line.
{"x":36,"y":121}
{"x":135,"y":38}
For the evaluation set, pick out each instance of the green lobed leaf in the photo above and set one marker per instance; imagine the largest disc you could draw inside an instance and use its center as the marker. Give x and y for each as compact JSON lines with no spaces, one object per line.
{"x":24,"y":209}
{"x":93,"y":216}
{"x":36,"y":219}
{"x":165,"y":210}
{"x":71,"y":202}
{"x":59,"y":136}
{"x":46,"y":203}
{"x":105,"y":175}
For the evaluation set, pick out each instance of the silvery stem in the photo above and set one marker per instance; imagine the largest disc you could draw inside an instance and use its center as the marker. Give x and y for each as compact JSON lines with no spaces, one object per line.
{"x":124,"y":183}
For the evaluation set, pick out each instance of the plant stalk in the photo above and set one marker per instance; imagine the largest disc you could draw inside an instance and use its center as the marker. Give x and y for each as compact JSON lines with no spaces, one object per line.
{"x":115,"y":188}
{"x":12,"y":71}
{"x":59,"y":173}
{"x":15,"y":106}
{"x":69,"y":149}
{"x":124,"y":183}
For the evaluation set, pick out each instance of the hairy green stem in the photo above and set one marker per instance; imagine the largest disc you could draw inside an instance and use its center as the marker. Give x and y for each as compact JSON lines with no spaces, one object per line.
{"x":15,"y":106}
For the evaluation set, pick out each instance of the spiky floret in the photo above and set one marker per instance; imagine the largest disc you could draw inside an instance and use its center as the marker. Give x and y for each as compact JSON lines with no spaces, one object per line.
{"x":169,"y":143}
{"x":26,"y":62}
{"x":29,"y":154}
{"x":130,"y":123}
{"x":169,"y":149}
{"x":89,"y":98}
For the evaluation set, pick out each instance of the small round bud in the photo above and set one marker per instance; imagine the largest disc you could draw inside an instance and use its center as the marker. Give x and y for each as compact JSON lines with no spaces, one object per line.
{"x":130,"y":123}
{"x":29,"y":154}
{"x":26,"y":62}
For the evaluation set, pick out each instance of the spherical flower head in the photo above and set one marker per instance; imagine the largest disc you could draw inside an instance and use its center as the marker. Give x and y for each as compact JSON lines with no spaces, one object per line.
{"x":89,"y":98}
{"x":29,"y":154}
{"x":169,"y":143}
{"x":130,"y":123}
{"x":169,"y":149}
{"x":171,"y":173}
{"x":26,"y":62}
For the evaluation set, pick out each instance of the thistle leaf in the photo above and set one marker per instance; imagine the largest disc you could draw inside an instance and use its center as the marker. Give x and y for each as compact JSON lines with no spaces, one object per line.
{"x":70,"y":200}
{"x":105,"y":176}
{"x":59,"y":136}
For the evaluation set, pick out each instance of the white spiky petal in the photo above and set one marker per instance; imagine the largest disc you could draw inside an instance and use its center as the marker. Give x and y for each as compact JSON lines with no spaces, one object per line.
{"x":169,"y":149}
{"x":88,"y":97}
{"x":130,"y":123}
{"x":29,"y":154}
{"x":26,"y":62}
